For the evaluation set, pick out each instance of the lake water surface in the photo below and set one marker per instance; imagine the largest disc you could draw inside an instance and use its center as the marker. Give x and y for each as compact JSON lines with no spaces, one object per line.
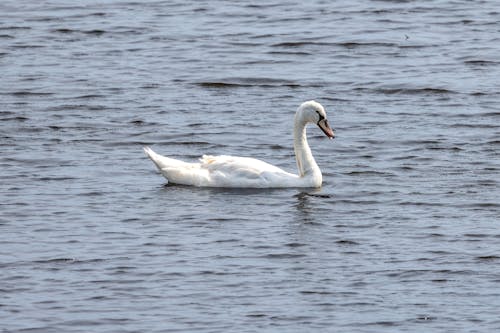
{"x":403,"y":236}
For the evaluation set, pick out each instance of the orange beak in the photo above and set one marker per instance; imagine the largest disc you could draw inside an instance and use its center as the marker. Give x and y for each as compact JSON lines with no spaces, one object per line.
{"x":323,"y":124}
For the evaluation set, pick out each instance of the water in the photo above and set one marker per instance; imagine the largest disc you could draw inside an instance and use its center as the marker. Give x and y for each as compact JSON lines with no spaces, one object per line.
{"x":402,"y":237}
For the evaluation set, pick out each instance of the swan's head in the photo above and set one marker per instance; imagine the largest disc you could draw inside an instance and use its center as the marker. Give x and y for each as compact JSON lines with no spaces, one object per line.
{"x":313,"y":112}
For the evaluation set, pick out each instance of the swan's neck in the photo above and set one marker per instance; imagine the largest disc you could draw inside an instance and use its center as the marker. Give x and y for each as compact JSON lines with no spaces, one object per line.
{"x":305,"y":161}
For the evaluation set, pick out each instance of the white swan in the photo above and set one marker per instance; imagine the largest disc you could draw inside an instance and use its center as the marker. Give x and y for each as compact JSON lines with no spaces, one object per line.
{"x":244,"y":172}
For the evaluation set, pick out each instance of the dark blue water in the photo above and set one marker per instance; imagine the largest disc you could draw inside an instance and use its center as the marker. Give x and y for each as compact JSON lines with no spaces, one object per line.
{"x":402,"y":237}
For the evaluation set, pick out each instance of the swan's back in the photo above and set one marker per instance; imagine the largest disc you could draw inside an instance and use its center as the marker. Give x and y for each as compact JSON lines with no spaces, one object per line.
{"x":231,"y":171}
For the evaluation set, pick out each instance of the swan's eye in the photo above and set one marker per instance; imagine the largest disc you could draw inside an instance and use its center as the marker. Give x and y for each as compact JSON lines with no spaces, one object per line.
{"x":321,"y":117}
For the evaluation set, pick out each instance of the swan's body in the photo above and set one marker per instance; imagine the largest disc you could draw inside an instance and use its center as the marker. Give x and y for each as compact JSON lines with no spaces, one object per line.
{"x":245,"y":172}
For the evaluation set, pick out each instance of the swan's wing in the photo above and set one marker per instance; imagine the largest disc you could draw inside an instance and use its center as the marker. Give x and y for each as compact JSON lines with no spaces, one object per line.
{"x":232,"y":164}
{"x":234,"y":171}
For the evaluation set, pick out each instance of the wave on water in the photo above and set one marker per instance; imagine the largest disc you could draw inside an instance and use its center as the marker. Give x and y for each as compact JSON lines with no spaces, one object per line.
{"x":248,"y":82}
{"x":408,"y":91}
{"x":348,"y":45}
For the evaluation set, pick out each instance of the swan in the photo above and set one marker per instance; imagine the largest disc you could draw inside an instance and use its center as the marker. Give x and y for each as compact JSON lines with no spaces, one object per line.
{"x":245,"y":172}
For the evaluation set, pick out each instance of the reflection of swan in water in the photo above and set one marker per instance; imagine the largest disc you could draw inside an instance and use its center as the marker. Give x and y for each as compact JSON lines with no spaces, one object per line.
{"x":244,"y":172}
{"x":307,"y":204}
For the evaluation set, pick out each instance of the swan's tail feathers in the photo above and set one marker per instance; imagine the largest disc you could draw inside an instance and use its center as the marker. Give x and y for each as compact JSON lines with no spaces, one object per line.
{"x":153,"y":156}
{"x":178,"y":172}
{"x":175,"y":171}
{"x":148,"y":151}
{"x":162,"y":162}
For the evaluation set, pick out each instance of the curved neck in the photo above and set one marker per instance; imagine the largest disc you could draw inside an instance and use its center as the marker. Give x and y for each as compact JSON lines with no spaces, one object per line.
{"x":305,"y":161}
